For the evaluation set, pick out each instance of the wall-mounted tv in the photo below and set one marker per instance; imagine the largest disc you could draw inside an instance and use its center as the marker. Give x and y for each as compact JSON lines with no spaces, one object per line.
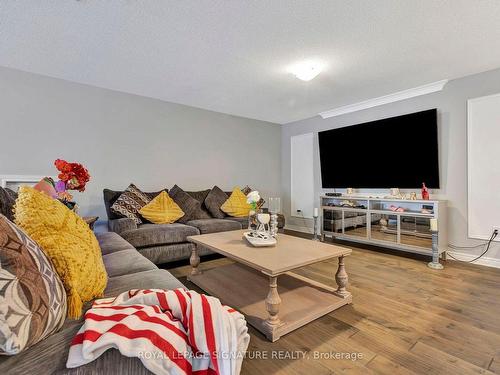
{"x":398,"y":152}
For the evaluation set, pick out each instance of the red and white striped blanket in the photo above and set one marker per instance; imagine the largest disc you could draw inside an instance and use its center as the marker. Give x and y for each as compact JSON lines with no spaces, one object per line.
{"x":171,"y":331}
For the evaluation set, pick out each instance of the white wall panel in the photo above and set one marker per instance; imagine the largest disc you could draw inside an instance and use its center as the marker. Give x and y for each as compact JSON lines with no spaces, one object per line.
{"x":302,"y":173}
{"x":483,"y":139}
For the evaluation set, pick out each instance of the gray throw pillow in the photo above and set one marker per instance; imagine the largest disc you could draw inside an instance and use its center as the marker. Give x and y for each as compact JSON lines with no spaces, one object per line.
{"x":7,"y":201}
{"x":200,"y":196}
{"x":214,"y":200}
{"x":188,"y":204}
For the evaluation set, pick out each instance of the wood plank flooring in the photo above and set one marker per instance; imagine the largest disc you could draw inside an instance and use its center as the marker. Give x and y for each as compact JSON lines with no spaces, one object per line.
{"x":405,"y":319}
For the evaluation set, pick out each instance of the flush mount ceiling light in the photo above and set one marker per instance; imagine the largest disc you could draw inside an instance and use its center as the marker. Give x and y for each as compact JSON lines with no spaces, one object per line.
{"x":306,"y":70}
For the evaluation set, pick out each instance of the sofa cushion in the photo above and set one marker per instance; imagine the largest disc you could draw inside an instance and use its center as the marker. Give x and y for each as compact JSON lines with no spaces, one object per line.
{"x":200,"y":196}
{"x":121,"y":225}
{"x":7,"y":201}
{"x":32,"y":296}
{"x":236,"y":205}
{"x":170,"y":253}
{"x":110,"y":242}
{"x":214,"y":225}
{"x":49,"y":356}
{"x":110,"y":197}
{"x":214,"y":200}
{"x":159,"y":234}
{"x":162,"y":210}
{"x":126,"y":262}
{"x":68,"y":241}
{"x":130,"y":202}
{"x":46,"y":185}
{"x":188,"y":204}
{"x":153,"y":279}
{"x":242,"y":220}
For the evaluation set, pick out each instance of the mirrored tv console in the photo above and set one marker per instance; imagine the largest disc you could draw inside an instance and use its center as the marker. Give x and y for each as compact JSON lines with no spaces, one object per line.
{"x":399,"y":224}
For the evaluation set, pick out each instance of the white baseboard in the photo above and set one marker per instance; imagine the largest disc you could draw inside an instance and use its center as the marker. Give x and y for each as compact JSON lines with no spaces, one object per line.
{"x":299,"y":228}
{"x":484,"y":261}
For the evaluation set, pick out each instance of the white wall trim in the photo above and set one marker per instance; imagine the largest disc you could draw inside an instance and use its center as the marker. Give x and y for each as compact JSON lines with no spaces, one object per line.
{"x":484,"y":261}
{"x":8,"y":179}
{"x":386,"y":99}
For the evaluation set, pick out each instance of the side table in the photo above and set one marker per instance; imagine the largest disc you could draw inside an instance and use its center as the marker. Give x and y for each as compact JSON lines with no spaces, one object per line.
{"x":90,"y":220}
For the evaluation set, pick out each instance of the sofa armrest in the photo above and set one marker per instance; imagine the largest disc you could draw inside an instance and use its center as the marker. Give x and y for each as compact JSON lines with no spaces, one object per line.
{"x":121,"y":225}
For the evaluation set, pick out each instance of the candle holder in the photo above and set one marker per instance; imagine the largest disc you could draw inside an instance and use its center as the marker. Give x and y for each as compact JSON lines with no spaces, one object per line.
{"x":274,"y":209}
{"x":315,"y":226}
{"x":274,"y":225}
{"x":435,"y":252}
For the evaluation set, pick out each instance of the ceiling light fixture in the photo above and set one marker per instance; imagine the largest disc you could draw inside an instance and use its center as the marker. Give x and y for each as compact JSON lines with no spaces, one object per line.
{"x":306,"y":70}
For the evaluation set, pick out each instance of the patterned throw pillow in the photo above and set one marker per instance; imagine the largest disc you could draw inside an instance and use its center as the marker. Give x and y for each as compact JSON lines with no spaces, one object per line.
{"x":189,"y":205}
{"x":214,"y":200}
{"x":45,"y":185}
{"x":162,"y":210}
{"x":130,"y":202}
{"x":32,"y":297}
{"x":69,"y":243}
{"x":247,"y":189}
{"x":236,"y":205}
{"x":7,"y":201}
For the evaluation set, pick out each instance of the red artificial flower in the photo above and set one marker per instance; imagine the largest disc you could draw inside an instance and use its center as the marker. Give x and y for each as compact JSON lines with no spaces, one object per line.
{"x":73,"y":174}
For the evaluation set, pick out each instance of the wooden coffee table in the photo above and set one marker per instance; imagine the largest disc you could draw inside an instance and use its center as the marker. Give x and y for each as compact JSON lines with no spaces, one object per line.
{"x":290,"y":303}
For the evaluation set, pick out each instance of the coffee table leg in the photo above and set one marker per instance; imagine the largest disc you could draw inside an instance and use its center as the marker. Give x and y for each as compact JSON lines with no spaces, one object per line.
{"x":341,"y":278}
{"x":273,"y":302}
{"x":194,"y":260}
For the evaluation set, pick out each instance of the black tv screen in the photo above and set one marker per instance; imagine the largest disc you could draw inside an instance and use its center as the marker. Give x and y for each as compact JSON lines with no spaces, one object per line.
{"x":397,"y":152}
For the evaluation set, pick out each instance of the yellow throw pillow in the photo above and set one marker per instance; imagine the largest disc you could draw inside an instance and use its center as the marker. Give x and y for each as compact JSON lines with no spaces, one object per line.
{"x":68,"y":242}
{"x":162,"y":210}
{"x":236,"y":205}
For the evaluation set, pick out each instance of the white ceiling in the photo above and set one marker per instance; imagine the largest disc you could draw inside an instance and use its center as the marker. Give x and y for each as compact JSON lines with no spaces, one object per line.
{"x":232,"y":56}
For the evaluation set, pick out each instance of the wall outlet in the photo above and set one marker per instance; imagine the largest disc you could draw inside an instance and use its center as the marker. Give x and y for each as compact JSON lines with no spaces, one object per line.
{"x":497,"y":229}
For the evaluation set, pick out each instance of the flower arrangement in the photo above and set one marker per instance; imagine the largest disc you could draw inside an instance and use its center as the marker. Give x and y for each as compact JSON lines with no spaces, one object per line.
{"x":253,"y":199}
{"x":72,"y":176}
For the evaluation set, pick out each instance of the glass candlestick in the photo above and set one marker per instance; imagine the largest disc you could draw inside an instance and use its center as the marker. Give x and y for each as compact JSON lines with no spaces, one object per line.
{"x":274,"y":209}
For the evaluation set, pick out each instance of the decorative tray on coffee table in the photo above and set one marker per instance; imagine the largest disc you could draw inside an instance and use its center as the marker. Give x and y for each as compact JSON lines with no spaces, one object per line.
{"x":259,"y":239}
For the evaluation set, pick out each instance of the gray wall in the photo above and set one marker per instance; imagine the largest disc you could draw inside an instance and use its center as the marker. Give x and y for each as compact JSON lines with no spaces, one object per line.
{"x":452,"y":107}
{"x":125,"y":138}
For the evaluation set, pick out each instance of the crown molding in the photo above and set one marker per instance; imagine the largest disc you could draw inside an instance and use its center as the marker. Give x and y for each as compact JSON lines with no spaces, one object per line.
{"x":386,"y":99}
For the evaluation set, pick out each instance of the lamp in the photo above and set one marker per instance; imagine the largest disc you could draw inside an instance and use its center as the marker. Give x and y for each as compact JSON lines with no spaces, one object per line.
{"x":306,"y":70}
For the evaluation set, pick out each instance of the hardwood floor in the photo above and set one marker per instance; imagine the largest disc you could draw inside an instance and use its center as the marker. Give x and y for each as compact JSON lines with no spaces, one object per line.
{"x":405,"y":319}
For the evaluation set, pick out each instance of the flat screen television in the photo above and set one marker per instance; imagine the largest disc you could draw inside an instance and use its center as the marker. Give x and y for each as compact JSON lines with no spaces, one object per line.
{"x":398,"y":152}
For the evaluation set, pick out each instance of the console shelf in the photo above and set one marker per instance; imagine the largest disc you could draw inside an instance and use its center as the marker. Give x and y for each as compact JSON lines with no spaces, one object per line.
{"x":399,"y":224}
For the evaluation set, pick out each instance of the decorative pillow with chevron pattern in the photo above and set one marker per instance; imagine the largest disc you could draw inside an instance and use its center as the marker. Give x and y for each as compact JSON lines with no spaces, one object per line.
{"x":130,"y":202}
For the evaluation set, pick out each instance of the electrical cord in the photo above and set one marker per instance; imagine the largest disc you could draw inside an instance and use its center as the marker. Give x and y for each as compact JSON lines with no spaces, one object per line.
{"x":488,"y":244}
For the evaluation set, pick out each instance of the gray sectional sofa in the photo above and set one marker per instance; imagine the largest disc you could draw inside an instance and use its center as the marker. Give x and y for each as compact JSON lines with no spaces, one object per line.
{"x":163,"y":243}
{"x":127,"y":269}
